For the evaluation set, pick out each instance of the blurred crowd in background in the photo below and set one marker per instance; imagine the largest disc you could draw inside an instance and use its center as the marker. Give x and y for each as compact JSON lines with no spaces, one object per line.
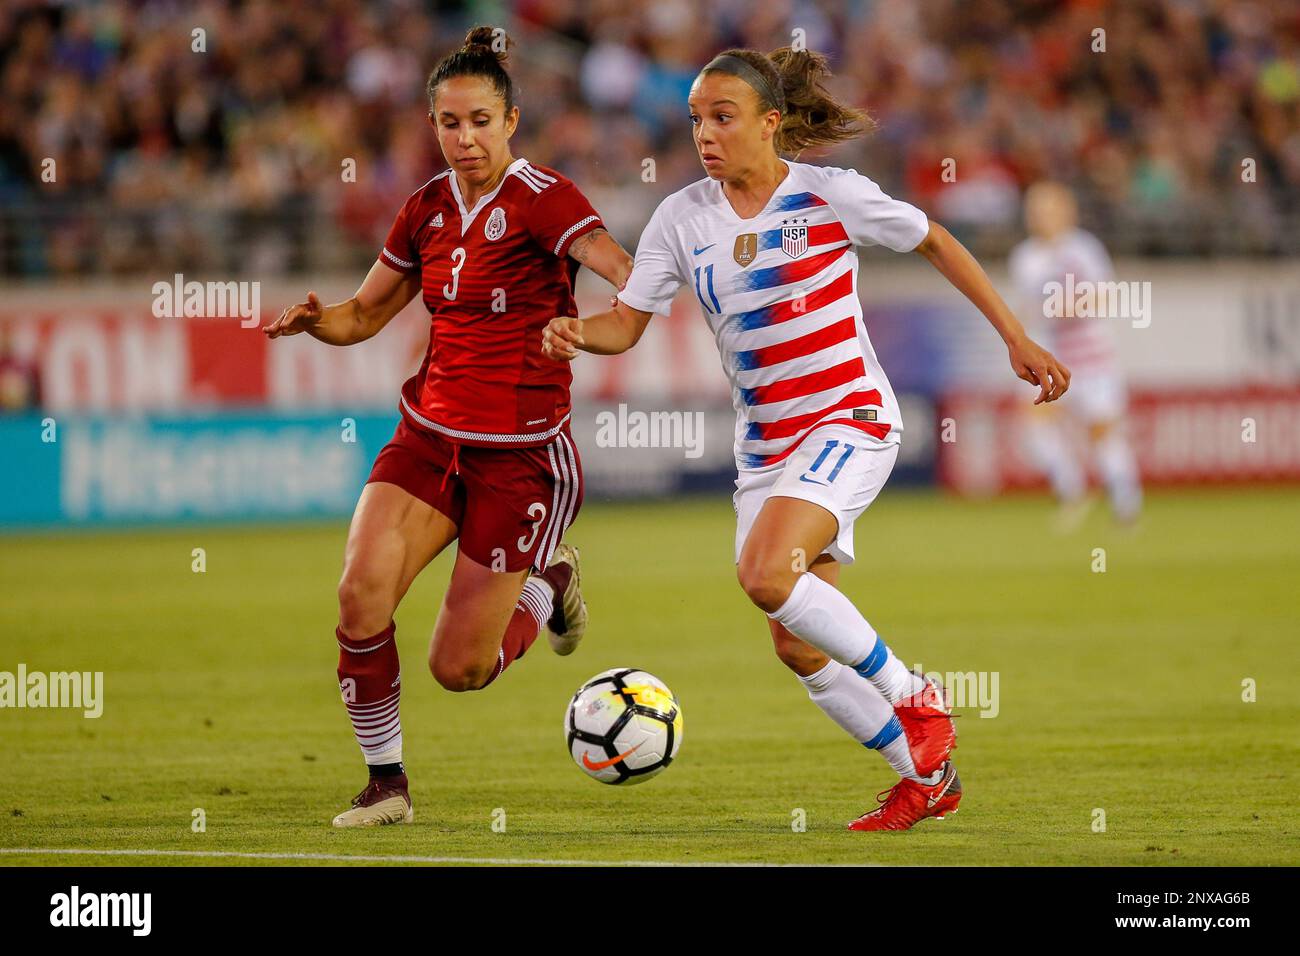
{"x":232,"y":158}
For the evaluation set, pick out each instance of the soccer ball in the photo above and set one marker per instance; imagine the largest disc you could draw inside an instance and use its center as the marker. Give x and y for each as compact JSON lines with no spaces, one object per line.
{"x":623,"y":726}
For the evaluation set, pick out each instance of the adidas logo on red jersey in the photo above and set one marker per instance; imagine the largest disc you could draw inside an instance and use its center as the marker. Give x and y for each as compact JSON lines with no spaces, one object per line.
{"x":436,"y":221}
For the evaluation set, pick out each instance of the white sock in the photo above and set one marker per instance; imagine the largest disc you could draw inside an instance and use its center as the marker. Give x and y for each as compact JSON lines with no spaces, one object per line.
{"x":858,"y":708}
{"x":1052,"y":452}
{"x":819,"y":614}
{"x":379,"y":722}
{"x":1119,"y":472}
{"x":537,"y":598}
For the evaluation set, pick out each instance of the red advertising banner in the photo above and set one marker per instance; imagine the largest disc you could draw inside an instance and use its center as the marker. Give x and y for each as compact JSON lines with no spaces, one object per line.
{"x":118,"y":359}
{"x":1180,"y":436}
{"x":114,"y":355}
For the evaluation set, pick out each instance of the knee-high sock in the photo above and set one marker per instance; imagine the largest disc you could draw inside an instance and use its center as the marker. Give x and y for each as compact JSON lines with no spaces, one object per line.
{"x":1119,"y":472}
{"x":531,"y":613}
{"x":370,"y":679}
{"x":1052,"y":452}
{"x":867,"y":717}
{"x":819,"y":614}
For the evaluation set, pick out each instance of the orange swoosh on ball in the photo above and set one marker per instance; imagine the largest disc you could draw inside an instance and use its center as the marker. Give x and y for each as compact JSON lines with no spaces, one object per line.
{"x":602,"y":764}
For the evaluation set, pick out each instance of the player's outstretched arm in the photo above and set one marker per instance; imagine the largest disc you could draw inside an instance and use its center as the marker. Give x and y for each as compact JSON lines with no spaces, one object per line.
{"x":605,"y":334}
{"x":383,"y":294}
{"x":601,"y":253}
{"x":1029,"y":360}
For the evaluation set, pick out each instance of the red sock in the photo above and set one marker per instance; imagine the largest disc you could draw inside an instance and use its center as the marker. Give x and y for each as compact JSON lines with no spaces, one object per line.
{"x":531,"y":613}
{"x":370,"y":679}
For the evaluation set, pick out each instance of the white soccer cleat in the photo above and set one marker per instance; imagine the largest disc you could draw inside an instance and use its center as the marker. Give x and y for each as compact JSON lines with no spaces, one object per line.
{"x":568,"y":622}
{"x":385,"y":800}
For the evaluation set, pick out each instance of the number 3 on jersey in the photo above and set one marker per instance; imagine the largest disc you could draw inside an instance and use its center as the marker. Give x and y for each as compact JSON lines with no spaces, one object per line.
{"x":458,"y":262}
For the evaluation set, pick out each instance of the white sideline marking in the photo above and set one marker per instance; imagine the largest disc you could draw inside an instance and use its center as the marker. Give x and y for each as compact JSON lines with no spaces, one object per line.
{"x":358,"y":858}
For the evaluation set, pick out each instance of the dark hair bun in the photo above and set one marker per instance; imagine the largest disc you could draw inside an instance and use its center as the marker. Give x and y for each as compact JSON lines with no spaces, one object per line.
{"x":491,"y":40}
{"x":482,"y":55}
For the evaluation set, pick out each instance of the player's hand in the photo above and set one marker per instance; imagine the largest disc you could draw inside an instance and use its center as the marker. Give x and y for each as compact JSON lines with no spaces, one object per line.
{"x":561,"y":338}
{"x":296,"y":318}
{"x":1037,"y":366}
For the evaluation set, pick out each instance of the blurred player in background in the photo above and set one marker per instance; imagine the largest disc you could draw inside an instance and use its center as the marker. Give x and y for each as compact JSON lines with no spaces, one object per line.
{"x":769,"y":248}
{"x":482,"y":454}
{"x":20,"y":377}
{"x":1059,"y":255}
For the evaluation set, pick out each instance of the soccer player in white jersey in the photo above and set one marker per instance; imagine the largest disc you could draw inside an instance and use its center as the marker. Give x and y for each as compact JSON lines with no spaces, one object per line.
{"x":768,"y":247}
{"x":1057,"y":257}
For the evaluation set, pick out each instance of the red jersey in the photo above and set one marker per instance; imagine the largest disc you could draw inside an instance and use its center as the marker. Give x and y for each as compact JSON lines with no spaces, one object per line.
{"x":493,"y":277}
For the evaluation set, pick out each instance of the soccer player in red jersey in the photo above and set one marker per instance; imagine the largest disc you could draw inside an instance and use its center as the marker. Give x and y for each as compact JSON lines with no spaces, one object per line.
{"x":482,"y":453}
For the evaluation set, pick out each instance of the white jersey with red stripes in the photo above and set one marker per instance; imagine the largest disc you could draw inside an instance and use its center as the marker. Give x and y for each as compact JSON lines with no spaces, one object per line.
{"x":1043,"y":274}
{"x":779,"y":292}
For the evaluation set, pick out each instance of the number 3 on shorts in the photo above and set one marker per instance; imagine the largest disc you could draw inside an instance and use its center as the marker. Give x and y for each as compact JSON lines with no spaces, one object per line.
{"x":821,"y":460}
{"x":538,"y":509}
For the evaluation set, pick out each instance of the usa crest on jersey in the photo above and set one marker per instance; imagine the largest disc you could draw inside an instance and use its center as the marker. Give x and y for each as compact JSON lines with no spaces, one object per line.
{"x":794,"y":240}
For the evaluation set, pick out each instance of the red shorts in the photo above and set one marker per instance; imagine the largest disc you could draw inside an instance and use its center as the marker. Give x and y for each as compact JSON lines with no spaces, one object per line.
{"x":511,"y":506}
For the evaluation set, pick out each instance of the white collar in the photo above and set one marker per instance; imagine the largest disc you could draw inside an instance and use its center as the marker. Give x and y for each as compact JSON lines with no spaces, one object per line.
{"x":729,"y":210}
{"x":467,"y":218}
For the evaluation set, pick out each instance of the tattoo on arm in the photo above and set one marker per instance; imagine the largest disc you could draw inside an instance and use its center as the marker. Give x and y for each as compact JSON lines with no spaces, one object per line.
{"x":614,"y":268}
{"x":581,"y":247}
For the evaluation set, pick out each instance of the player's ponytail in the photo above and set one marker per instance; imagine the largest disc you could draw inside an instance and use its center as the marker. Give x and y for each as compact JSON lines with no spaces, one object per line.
{"x":812,"y":116}
{"x":791,"y":82}
{"x":484,"y":54}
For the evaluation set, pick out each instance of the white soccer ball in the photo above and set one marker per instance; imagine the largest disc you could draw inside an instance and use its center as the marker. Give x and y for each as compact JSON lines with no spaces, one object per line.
{"x":623,"y":726}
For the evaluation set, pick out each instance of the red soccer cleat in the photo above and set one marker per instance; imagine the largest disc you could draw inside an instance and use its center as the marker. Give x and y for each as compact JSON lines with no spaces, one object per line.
{"x":908,"y":802}
{"x":927,"y":722}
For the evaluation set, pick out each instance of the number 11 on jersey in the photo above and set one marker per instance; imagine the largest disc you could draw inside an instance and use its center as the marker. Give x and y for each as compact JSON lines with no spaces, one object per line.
{"x":708,"y":280}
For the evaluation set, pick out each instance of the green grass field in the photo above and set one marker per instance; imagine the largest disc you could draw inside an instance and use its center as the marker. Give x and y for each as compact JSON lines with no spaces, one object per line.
{"x":1119,"y":691}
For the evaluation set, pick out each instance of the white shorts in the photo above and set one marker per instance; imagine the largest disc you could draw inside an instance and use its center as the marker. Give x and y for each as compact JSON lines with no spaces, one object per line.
{"x":840,"y":469}
{"x":1096,"y":396}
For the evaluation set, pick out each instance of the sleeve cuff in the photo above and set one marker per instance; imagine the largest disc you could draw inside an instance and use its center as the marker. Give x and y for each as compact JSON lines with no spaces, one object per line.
{"x":576,"y":231}
{"x":645,"y":305}
{"x":395,"y":262}
{"x":924,"y":226}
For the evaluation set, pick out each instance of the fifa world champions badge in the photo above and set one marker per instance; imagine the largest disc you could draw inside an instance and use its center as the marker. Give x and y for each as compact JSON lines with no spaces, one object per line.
{"x":746,"y":249}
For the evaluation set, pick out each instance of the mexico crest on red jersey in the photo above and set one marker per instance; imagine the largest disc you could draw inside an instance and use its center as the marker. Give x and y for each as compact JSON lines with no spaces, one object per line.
{"x":794,"y":239}
{"x":495,"y":227}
